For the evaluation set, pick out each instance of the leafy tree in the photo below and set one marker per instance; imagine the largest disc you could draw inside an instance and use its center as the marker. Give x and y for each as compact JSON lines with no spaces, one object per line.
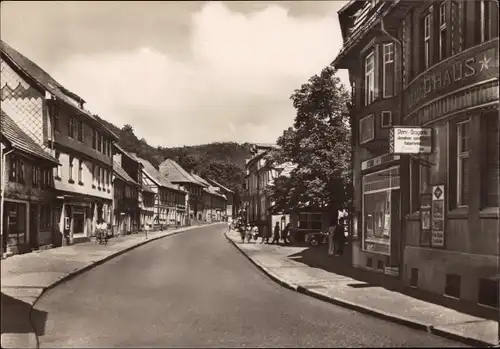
{"x":319,"y":144}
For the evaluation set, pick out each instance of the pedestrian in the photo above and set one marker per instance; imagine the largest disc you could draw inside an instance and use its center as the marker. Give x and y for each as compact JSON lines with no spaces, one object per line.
{"x":229,"y":223}
{"x":242,"y":229}
{"x":276,"y":235}
{"x":265,"y":234}
{"x":249,"y":233}
{"x":339,"y":238}
{"x":331,"y":234}
{"x":284,"y":233}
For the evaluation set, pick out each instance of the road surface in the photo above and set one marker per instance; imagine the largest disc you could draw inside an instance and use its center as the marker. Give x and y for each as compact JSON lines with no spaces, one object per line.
{"x":196,"y":290}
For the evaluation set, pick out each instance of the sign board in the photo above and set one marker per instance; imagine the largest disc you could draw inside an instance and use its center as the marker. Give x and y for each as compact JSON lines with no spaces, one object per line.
{"x":410,"y":140}
{"x":425,"y":220}
{"x":437,"y":212}
{"x":392,"y":271}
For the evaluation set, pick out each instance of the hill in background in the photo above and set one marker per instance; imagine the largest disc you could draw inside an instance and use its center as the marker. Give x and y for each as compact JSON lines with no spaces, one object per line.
{"x":223,"y":162}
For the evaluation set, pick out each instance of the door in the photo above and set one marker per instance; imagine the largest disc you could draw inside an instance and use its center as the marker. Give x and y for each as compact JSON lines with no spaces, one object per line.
{"x":56,"y":231}
{"x":395,"y":209}
{"x":34,"y":221}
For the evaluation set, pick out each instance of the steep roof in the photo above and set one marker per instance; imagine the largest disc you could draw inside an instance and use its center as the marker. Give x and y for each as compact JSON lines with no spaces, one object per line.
{"x":129,"y":155}
{"x":201,"y":180}
{"x":157,"y":176}
{"x":122,"y":174}
{"x":211,"y":191}
{"x":220,"y":186}
{"x":176,"y":174}
{"x":47,"y":82}
{"x":19,"y":140}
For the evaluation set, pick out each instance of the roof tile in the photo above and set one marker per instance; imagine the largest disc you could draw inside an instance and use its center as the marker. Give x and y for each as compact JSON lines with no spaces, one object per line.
{"x":157,"y":176}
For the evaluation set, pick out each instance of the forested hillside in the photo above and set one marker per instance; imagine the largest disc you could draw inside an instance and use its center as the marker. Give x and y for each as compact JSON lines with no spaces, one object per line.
{"x":223,"y":162}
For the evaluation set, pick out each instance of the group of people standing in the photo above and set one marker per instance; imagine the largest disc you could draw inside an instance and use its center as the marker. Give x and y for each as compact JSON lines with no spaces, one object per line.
{"x":336,"y":237}
{"x":247,"y":232}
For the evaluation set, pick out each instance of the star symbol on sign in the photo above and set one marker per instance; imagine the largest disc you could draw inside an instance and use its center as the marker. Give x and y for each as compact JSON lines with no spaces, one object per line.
{"x":484,"y":63}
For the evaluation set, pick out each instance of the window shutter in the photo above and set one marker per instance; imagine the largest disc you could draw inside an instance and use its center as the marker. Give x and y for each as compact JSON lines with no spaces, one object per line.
{"x":376,"y":60}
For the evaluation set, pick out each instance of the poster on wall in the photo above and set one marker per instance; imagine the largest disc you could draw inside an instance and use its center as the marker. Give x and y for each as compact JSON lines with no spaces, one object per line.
{"x":425,"y":220}
{"x":437,"y":216}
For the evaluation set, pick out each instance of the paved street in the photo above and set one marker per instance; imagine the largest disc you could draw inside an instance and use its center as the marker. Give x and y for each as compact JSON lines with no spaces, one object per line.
{"x":196,"y":290}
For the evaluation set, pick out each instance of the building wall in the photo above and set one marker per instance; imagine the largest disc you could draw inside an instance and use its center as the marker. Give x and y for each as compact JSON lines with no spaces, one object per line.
{"x":461,"y":87}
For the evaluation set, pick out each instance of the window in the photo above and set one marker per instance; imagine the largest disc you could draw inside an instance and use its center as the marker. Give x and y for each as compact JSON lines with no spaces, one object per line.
{"x":388,"y":77}
{"x":104,"y":146}
{"x":366,"y":129}
{"x":46,"y":178}
{"x":488,"y":292}
{"x":463,"y":153}
{"x":443,"y":46}
{"x":45,"y":217}
{"x":71,"y":127}
{"x":380,"y":195}
{"x":370,"y":78}
{"x":80,"y":171}
{"x":101,"y":143}
{"x":427,"y":40}
{"x":94,"y":139}
{"x":71,"y":159}
{"x":56,"y":123}
{"x":386,"y":119}
{"x":35,"y":175}
{"x":57,"y":169}
{"x":93,"y":175}
{"x":16,"y":173}
{"x":484,"y":21}
{"x":310,"y":221}
{"x":80,"y":131}
{"x":98,"y":141}
{"x":491,"y":161}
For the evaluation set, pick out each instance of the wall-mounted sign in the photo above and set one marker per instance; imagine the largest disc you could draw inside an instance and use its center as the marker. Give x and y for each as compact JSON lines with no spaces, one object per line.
{"x":410,"y":140}
{"x":425,"y":220}
{"x":451,"y":74}
{"x":438,"y":216}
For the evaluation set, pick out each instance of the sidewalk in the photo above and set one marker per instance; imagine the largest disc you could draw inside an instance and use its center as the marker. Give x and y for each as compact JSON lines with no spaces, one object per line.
{"x":345,"y":289}
{"x":27,"y":276}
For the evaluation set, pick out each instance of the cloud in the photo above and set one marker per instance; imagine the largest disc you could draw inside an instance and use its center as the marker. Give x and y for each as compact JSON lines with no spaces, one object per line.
{"x":234,"y":84}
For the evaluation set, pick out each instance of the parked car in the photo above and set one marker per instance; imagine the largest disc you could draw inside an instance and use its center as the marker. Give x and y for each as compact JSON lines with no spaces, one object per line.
{"x":316,"y":238}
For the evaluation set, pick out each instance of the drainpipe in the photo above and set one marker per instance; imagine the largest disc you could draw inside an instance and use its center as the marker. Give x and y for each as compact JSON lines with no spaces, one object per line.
{"x":2,"y":190}
{"x":404,"y":170}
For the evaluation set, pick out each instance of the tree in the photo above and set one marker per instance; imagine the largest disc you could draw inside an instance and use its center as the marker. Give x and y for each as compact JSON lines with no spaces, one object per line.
{"x":319,"y":144}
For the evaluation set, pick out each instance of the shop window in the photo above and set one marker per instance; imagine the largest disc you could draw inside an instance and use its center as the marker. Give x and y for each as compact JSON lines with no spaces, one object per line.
{"x":370,"y":85}
{"x":488,"y":293}
{"x":366,"y":129}
{"x":443,"y":42}
{"x":491,"y":161}
{"x":78,"y":223}
{"x":452,"y":287}
{"x":15,"y":223}
{"x":426,"y":39}
{"x":415,"y":185}
{"x":388,"y":73}
{"x":310,"y":221}
{"x":45,"y":217}
{"x":463,"y":154}
{"x":386,"y":119}
{"x":414,"y":277}
{"x":377,"y":208}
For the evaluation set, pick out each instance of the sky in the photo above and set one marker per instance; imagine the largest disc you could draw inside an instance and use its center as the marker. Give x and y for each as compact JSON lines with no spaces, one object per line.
{"x":181,"y":73}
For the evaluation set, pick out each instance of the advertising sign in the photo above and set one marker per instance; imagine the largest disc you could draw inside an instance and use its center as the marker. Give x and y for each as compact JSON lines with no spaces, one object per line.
{"x":437,"y":212}
{"x":410,"y":140}
{"x":425,"y":220}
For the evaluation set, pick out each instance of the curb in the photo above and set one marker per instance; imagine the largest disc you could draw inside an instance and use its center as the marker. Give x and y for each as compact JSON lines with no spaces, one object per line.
{"x":414,"y":324}
{"x":97,"y":263}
